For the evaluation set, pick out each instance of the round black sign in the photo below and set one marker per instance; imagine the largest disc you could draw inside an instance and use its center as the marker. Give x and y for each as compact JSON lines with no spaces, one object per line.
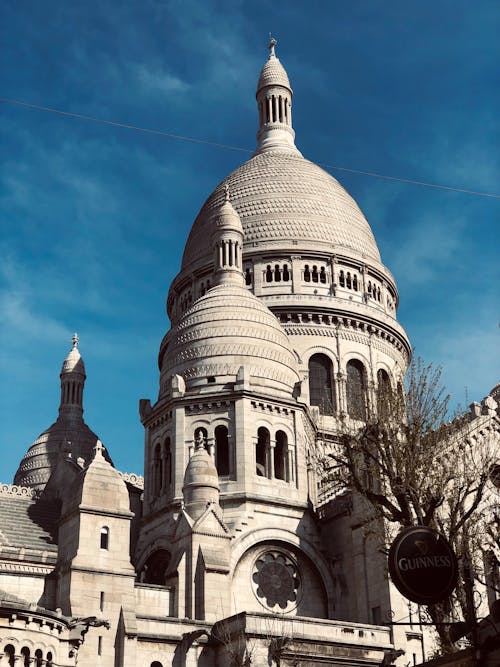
{"x":423,"y":565}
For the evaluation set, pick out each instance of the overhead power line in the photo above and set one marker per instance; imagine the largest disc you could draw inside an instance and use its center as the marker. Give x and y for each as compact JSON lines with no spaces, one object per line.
{"x":206,"y":142}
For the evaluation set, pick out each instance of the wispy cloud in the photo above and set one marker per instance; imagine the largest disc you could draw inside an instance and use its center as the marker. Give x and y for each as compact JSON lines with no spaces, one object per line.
{"x":159,"y":81}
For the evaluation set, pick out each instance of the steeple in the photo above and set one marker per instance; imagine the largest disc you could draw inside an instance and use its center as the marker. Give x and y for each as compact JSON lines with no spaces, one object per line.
{"x":227,"y":241}
{"x":274,"y":102}
{"x":72,"y":382}
{"x":201,"y":481}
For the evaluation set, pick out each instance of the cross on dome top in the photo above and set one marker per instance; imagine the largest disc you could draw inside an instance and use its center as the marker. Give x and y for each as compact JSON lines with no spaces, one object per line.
{"x":272,"y":44}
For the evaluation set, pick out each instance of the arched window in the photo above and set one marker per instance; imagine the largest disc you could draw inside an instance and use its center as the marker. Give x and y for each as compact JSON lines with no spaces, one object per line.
{"x":355,"y":283}
{"x":348,"y":280}
{"x":307,"y":274}
{"x":38,"y":658}
{"x":9,"y":652}
{"x":104,"y":541}
{"x":261,"y":450}
{"x":321,"y":388}
{"x":269,"y":274}
{"x":167,"y":463}
{"x":369,"y":287}
{"x":248,"y":277}
{"x":49,"y":662}
{"x":383,"y":392}
{"x":280,"y":456}
{"x":25,"y":654}
{"x":315,"y":275}
{"x":157,"y":471}
{"x":156,"y":664}
{"x":277,"y":273}
{"x":341,"y":279}
{"x":286,"y":273}
{"x":355,"y":389}
{"x":155,"y":568}
{"x":222,"y":450}
{"x":322,"y":275}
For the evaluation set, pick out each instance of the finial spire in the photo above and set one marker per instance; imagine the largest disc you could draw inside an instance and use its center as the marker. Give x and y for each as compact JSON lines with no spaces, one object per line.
{"x":98,"y":450}
{"x":272,"y":44}
{"x":75,"y":340}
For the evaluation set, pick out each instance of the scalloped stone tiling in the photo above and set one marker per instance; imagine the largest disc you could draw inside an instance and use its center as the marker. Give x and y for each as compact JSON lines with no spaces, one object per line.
{"x":283,"y":195}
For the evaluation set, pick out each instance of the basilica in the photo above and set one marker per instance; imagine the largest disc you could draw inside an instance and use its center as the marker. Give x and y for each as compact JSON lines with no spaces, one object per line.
{"x":230,"y":550}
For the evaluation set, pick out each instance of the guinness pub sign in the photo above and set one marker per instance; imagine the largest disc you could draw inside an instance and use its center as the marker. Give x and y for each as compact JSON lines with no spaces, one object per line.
{"x":422,"y":565}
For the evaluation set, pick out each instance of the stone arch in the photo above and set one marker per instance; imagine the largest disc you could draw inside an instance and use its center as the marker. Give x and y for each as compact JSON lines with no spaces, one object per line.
{"x":321,"y":383}
{"x":354,"y":354}
{"x":276,"y":535}
{"x":158,"y":544}
{"x":262,"y":450}
{"x":155,"y":567}
{"x":281,"y":455}
{"x":321,"y":349}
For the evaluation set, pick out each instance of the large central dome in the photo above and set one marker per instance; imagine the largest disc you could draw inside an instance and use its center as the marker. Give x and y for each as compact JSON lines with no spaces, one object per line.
{"x":287,"y":201}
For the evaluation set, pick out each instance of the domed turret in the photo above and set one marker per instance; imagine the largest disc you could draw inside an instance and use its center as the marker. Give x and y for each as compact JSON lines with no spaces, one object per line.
{"x":68,"y":435}
{"x":201,"y":481}
{"x":274,"y":101}
{"x":227,"y":242}
{"x":228,"y":327}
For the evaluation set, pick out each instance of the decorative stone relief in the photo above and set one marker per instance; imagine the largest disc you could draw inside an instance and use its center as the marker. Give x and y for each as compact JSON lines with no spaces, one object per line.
{"x":276,"y":580}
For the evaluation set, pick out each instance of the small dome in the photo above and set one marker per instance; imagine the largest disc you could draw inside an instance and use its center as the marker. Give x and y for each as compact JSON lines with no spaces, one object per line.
{"x":68,"y":435}
{"x":226,"y":218}
{"x":73,"y":362}
{"x":273,"y":74}
{"x":40,"y":460}
{"x":226,"y":329}
{"x":201,"y":482}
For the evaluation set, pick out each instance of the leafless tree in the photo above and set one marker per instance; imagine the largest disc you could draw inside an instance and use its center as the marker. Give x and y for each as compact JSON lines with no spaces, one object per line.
{"x":413,"y":466}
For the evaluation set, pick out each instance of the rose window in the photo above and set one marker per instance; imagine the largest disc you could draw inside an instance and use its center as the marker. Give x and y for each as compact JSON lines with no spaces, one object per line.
{"x":276,"y":580}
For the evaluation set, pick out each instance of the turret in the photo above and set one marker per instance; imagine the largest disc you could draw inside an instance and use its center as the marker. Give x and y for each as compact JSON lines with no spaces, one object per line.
{"x":72,"y":382}
{"x":201,"y":481}
{"x":274,"y":102}
{"x":227,"y":241}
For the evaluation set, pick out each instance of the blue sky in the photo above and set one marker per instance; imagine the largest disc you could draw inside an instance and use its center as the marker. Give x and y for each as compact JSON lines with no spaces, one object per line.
{"x":94,"y":218}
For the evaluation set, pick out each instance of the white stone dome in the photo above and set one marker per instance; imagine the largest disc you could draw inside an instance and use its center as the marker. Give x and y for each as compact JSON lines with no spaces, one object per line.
{"x":73,"y":362}
{"x":288,"y":203}
{"x":273,"y":74}
{"x":226,"y":329}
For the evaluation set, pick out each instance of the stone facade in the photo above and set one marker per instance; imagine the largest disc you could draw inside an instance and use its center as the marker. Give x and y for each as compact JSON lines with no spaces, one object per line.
{"x":229,"y":551}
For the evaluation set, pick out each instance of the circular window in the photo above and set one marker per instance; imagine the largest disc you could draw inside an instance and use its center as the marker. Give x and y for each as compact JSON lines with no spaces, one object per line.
{"x":276,"y":580}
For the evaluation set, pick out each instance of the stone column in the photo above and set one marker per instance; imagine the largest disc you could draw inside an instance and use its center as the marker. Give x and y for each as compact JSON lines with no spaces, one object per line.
{"x":257,"y":278}
{"x":296,"y":273}
{"x":272,"y":446}
{"x":342,"y":395}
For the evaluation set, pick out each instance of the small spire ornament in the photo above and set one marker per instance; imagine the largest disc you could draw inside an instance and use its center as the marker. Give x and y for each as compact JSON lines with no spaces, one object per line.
{"x":272,"y":44}
{"x":75,"y":340}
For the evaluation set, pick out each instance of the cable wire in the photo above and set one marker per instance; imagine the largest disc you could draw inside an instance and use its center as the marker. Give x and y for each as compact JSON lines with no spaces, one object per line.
{"x":206,"y":142}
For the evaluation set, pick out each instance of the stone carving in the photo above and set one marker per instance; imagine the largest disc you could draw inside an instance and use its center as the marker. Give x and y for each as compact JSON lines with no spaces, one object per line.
{"x":276,"y":579}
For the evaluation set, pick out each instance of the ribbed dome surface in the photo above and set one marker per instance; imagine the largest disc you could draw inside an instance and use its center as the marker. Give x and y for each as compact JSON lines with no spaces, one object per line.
{"x":41,"y":458}
{"x":273,"y":74}
{"x":286,"y":202}
{"x":224,"y":330}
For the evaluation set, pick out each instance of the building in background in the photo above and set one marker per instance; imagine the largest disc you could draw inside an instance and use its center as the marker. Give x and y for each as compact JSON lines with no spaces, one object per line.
{"x":283,"y":327}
